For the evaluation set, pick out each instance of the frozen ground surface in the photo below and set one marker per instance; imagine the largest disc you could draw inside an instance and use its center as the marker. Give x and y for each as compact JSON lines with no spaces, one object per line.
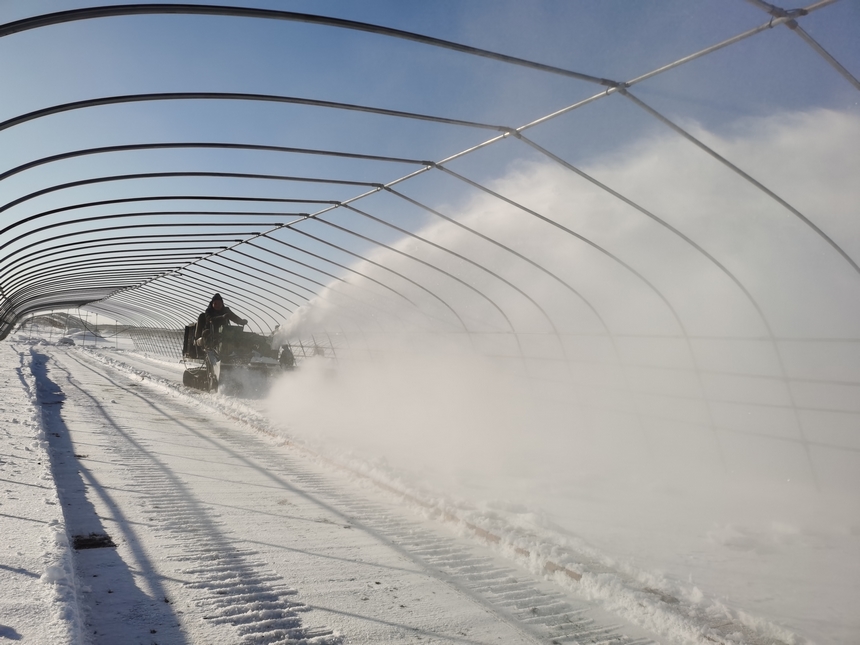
{"x":227,"y":528}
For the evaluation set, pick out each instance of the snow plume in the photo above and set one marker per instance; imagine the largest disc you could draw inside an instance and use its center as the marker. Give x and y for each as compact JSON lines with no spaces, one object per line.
{"x":551,"y":370}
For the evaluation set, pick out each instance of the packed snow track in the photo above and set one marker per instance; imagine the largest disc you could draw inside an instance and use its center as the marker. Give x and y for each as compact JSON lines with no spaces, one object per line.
{"x":191,"y":527}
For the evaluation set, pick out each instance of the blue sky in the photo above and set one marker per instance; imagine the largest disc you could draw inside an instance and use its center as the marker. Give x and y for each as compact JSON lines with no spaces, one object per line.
{"x":618,"y":40}
{"x":770,"y":73}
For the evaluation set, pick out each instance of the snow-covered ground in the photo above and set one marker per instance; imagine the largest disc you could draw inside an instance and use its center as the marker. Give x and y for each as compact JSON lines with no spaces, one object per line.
{"x":233,"y":520}
{"x":37,"y":591}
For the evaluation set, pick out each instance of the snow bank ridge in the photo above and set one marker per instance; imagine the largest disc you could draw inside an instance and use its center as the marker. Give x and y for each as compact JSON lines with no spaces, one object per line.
{"x":679,"y":612}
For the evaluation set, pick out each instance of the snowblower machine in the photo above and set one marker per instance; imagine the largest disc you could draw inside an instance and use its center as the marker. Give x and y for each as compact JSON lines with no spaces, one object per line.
{"x":233,"y":360}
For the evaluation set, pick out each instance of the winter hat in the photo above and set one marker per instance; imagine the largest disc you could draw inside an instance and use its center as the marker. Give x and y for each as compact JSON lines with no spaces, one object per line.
{"x":217,"y":296}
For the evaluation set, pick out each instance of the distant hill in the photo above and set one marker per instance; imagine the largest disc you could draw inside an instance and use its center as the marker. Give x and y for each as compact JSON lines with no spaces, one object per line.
{"x":57,"y":320}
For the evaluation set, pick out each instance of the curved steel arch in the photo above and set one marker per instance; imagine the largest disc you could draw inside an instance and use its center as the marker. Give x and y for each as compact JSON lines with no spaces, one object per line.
{"x":208,"y":258}
{"x":129,"y":200}
{"x":142,"y":314}
{"x":288,"y":271}
{"x":128,"y":240}
{"x":614,"y":258}
{"x":357,"y":256}
{"x":137,"y":9}
{"x":364,"y":258}
{"x":194,"y":145}
{"x":241,"y":292}
{"x":189,"y":312}
{"x":84,"y":271}
{"x":320,"y":295}
{"x":64,"y":289}
{"x":566,"y":230}
{"x":329,"y":286}
{"x":744,"y":175}
{"x":710,"y":257}
{"x":108,"y":245}
{"x":77,"y":221}
{"x":174,"y":308}
{"x":259,"y":260}
{"x":242,"y":175}
{"x":30,"y":24}
{"x":54,"y":304}
{"x":77,"y":263}
{"x":459,"y":256}
{"x":46,"y":283}
{"x":367,"y":238}
{"x":190,"y":173}
{"x":40,"y":21}
{"x":505,"y":248}
{"x":790,"y":21}
{"x":565,"y":285}
{"x":337,"y":264}
{"x":461,"y":281}
{"x":246,"y":291}
{"x":121,"y":314}
{"x":239,"y":96}
{"x":233,"y":249}
{"x":189,"y":274}
{"x":153,"y":175}
{"x":259,"y":273}
{"x":152,"y":225}
{"x":291,"y":16}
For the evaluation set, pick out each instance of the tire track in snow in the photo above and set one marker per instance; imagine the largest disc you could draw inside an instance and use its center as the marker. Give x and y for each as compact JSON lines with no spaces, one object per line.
{"x":710,"y":623}
{"x":515,"y":596}
{"x":541,"y":615}
{"x":231,"y":587}
{"x":549,"y":615}
{"x":555,"y":616}
{"x":235,"y":588}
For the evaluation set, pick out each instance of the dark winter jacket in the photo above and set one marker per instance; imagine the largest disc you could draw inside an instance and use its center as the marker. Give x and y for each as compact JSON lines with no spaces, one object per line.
{"x":211,"y":313}
{"x":207,"y":316}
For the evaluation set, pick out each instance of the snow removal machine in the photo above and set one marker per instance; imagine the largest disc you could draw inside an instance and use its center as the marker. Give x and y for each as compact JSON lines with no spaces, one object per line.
{"x":233,"y":360}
